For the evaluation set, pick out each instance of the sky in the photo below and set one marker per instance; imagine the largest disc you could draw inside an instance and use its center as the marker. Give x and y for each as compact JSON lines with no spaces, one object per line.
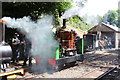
{"x":99,"y":7}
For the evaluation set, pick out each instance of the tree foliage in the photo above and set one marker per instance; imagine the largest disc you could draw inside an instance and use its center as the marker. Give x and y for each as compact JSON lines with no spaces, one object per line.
{"x":118,"y":19}
{"x":35,"y":9}
{"x":78,"y":22}
{"x":111,"y":17}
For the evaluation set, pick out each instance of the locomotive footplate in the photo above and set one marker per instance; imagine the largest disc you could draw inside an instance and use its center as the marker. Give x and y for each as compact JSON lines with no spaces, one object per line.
{"x":78,"y":57}
{"x":58,"y":64}
{"x":68,"y":61}
{"x":4,"y":73}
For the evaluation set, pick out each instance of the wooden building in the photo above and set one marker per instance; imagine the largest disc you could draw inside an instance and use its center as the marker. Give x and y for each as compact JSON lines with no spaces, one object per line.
{"x":111,"y":32}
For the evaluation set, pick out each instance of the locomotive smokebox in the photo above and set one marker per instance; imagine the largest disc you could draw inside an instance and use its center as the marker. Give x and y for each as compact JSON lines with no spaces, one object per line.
{"x":5,"y":49}
{"x":5,"y":53}
{"x":64,"y":23}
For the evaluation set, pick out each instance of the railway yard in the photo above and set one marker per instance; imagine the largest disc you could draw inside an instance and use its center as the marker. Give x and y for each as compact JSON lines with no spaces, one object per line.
{"x":98,"y":66}
{"x":59,"y":40}
{"x":74,"y":57}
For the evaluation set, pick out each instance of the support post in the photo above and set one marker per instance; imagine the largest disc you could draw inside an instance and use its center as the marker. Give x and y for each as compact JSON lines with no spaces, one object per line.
{"x":82,"y":46}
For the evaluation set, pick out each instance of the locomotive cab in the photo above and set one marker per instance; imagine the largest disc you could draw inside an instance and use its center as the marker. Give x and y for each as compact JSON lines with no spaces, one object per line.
{"x":90,"y":42}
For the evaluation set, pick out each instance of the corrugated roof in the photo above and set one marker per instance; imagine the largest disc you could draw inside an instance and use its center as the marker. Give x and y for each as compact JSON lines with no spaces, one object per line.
{"x":112,"y":27}
{"x":101,"y":27}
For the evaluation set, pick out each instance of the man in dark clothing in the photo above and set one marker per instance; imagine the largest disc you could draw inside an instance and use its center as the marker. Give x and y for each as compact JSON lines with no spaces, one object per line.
{"x":26,"y":50}
{"x":16,"y":47}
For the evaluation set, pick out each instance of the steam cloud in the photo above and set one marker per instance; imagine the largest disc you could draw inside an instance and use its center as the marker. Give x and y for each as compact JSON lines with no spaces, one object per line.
{"x":40,"y":32}
{"x":80,"y":9}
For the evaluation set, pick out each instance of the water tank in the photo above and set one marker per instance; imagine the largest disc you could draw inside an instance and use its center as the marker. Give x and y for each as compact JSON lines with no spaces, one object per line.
{"x":67,"y":39}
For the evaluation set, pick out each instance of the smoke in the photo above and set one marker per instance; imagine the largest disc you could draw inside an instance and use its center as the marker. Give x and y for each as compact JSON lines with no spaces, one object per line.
{"x":78,"y":5}
{"x":71,"y":12}
{"x":41,"y":35}
{"x":90,"y":19}
{"x":80,"y":9}
{"x":89,"y":10}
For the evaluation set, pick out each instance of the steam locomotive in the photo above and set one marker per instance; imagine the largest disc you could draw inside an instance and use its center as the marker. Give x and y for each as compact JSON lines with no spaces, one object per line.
{"x":7,"y":70}
{"x":70,"y":50}
{"x":71,"y":47}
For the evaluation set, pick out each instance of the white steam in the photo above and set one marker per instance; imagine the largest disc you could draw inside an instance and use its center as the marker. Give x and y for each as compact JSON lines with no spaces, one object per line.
{"x":89,"y":10}
{"x":80,"y":10}
{"x":71,"y":12}
{"x":40,"y":33}
{"x":76,"y":10}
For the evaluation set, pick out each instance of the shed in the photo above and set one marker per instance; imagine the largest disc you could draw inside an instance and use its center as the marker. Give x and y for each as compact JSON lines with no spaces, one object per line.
{"x":106,"y":30}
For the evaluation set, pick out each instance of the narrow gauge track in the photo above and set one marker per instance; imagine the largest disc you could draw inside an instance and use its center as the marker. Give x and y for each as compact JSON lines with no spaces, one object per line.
{"x":89,"y":62}
{"x":103,"y":64}
{"x":101,"y":58}
{"x":93,"y":57}
{"x":112,"y":74}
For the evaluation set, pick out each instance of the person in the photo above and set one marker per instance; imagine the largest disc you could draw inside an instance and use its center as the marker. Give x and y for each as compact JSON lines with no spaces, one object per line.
{"x":26,"y":49}
{"x":16,"y":47}
{"x":109,"y":44}
{"x":101,"y":45}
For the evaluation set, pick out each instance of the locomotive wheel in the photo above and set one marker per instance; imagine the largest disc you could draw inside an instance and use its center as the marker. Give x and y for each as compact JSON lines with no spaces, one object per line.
{"x":59,"y":67}
{"x":70,"y":64}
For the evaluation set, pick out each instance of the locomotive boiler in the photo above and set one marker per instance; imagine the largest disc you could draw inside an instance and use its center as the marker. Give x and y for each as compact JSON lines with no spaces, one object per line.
{"x":6,"y":70}
{"x":5,"y":49}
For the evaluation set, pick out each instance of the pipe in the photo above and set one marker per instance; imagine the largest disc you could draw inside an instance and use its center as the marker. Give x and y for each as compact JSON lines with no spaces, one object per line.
{"x":2,"y":27}
{"x":3,"y":33}
{"x":0,"y":9}
{"x":64,"y":23}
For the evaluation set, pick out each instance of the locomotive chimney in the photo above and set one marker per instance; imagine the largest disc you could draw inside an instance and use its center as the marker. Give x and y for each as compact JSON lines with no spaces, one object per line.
{"x":3,"y":40}
{"x":2,"y":31}
{"x":64,"y":23}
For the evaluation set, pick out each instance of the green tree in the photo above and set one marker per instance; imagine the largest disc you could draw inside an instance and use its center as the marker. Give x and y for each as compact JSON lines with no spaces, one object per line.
{"x":118,"y":18}
{"x":111,"y":17}
{"x":78,"y":22}
{"x":35,"y":9}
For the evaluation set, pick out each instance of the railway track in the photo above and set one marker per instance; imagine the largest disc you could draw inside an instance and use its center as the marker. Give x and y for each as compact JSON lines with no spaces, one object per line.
{"x":85,"y":62}
{"x":103,"y":63}
{"x":102,"y":57}
{"x":107,"y":61}
{"x":93,"y":57}
{"x":91,"y":60}
{"x":112,"y":74}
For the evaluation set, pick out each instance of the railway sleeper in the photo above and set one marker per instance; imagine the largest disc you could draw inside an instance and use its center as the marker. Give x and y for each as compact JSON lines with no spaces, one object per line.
{"x":112,"y":74}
